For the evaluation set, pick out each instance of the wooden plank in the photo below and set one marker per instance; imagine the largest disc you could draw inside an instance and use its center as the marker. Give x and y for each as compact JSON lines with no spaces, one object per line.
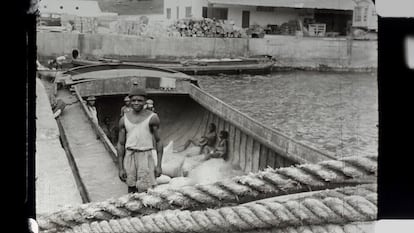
{"x":203,"y":124}
{"x":249,"y":154}
{"x":263,"y":157}
{"x":227,"y":126}
{"x":243,"y":143}
{"x":209,"y":120}
{"x":231,"y":142}
{"x":279,"y":161}
{"x":220,"y":124}
{"x":271,"y":159}
{"x":255,"y":156}
{"x":237,"y":141}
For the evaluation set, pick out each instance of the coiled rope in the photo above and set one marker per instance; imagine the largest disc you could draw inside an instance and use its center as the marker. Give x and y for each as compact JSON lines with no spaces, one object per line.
{"x":262,"y":215}
{"x":264,"y":184}
{"x":356,"y":227}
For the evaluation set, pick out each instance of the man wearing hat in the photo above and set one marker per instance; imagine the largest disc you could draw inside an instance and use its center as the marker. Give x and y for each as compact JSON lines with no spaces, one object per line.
{"x":126,"y":107}
{"x":150,"y":105}
{"x":138,"y":136}
{"x":90,"y":104}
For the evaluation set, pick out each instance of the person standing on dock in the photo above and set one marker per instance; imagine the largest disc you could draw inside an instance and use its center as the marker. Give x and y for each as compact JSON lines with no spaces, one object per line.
{"x":138,"y":132}
{"x":90,"y":104}
{"x":126,"y":107}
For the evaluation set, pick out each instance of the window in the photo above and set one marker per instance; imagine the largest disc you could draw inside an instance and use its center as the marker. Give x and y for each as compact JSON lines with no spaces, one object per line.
{"x":357,"y":14}
{"x":168,"y":13}
{"x":178,"y":12}
{"x":188,"y":12}
{"x":204,"y":10}
{"x":220,"y":13}
{"x":365,"y":14}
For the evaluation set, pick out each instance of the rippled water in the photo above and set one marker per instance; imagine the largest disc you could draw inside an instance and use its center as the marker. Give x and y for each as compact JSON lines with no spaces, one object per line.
{"x":334,"y":112}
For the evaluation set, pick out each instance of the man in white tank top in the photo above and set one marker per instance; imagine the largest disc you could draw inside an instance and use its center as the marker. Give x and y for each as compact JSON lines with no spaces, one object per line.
{"x":138,"y":136}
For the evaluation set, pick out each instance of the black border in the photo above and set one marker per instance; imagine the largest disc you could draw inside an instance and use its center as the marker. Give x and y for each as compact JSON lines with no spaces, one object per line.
{"x":396,"y":96}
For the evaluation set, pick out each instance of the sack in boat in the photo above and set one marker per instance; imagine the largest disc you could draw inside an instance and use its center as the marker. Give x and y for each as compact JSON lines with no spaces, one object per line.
{"x":190,"y":163}
{"x":179,"y":182}
{"x":171,"y":162}
{"x":213,"y":170}
{"x":163,"y":179}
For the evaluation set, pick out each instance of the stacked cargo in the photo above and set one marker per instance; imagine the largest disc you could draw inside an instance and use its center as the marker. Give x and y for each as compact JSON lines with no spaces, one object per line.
{"x":207,"y":28}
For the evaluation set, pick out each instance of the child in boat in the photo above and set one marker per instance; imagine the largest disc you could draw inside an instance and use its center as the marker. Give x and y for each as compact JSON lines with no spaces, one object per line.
{"x":221,"y":151}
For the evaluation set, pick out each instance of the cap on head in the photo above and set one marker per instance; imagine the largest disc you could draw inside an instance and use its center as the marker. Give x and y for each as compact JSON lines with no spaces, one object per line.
{"x":137,"y":92}
{"x":150,"y":101}
{"x":127,"y":98}
{"x":91,"y":98}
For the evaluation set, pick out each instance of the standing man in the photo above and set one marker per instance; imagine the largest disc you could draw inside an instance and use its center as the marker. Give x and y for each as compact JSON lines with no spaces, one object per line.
{"x":138,"y":132}
{"x":90,"y":104}
{"x":126,"y":107}
{"x":150,"y":105}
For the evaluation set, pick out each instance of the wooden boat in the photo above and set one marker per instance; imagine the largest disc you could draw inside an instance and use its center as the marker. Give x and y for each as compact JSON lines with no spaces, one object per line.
{"x":252,"y":65}
{"x":185,"y":111}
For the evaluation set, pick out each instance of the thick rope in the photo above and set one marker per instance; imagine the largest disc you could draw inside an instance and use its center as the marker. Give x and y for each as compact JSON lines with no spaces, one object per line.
{"x":356,"y":227}
{"x":263,"y":215}
{"x":264,"y":184}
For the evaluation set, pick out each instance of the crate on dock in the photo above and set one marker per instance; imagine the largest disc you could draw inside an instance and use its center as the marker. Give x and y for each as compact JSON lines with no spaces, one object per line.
{"x":317,"y":29}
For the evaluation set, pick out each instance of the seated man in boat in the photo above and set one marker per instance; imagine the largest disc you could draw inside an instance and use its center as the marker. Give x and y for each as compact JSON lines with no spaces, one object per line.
{"x":206,"y":142}
{"x":138,"y":136}
{"x":221,"y":151}
{"x":126,"y":107}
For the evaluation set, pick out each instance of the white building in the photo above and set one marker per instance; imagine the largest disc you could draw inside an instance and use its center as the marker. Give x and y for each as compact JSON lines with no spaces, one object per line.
{"x":336,"y":14}
{"x":365,"y":15}
{"x":81,"y":8}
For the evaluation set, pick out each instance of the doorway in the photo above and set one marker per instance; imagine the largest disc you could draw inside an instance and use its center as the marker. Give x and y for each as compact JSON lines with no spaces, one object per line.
{"x":245,"y":19}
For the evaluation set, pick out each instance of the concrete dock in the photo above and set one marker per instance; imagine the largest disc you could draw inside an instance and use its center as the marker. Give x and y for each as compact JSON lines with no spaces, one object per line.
{"x":55,"y":183}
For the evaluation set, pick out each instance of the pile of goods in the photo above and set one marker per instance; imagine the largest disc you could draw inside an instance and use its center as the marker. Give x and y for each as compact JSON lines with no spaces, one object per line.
{"x":256,"y":31}
{"x":187,"y":168}
{"x":290,"y":27}
{"x":80,"y":24}
{"x":141,"y":27}
{"x":206,"y":27}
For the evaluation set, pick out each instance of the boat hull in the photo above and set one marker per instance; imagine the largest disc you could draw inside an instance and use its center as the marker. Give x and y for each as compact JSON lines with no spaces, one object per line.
{"x":203,"y":68}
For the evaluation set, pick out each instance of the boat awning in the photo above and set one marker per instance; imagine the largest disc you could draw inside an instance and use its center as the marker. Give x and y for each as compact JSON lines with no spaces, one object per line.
{"x":312,"y":4}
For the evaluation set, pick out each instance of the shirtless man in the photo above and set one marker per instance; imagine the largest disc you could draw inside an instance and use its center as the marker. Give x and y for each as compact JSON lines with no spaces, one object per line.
{"x":221,"y":151}
{"x":206,"y":142}
{"x":138,"y":132}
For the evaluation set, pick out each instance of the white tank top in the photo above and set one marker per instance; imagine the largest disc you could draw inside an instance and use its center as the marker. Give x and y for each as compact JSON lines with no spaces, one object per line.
{"x":138,"y":136}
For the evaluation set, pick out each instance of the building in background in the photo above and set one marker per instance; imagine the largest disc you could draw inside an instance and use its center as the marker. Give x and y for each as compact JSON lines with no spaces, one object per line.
{"x":365,"y":16}
{"x":334,"y":15}
{"x":71,"y":15}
